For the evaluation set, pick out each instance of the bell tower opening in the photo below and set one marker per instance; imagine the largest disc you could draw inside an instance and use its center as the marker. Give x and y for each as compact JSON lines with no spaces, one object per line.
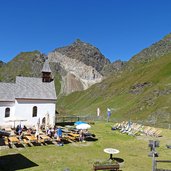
{"x":46,"y":72}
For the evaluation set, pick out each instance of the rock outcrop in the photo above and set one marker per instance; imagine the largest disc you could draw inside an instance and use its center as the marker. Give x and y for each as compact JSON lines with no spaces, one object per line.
{"x":86,"y":53}
{"x":114,"y":67}
{"x":76,"y":75}
{"x":79,"y":64}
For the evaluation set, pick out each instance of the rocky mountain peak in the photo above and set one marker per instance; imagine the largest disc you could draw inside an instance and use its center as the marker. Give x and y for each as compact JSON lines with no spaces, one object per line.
{"x":86,"y":53}
{"x":78,"y":41}
{"x":81,"y":65}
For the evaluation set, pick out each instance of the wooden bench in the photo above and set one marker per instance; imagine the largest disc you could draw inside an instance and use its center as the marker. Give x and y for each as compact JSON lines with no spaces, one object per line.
{"x":44,"y":138}
{"x":6,"y":142}
{"x":114,"y":167}
{"x":70,"y":138}
{"x":14,"y":140}
{"x":25,"y":141}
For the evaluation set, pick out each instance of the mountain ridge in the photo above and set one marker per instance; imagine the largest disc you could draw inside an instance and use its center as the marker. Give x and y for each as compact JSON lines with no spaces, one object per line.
{"x":138,"y":90}
{"x":85,"y":52}
{"x":157,"y":49}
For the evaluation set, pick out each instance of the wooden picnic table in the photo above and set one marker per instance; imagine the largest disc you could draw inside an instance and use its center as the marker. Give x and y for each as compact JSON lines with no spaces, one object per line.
{"x":31,"y":138}
{"x":71,"y":137}
{"x":14,"y":140}
{"x":73,"y":134}
{"x":45,"y":137}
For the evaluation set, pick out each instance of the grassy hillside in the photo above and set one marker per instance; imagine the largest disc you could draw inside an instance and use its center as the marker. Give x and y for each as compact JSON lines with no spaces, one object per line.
{"x":28,"y":64}
{"x":141,"y":92}
{"x":24,"y":64}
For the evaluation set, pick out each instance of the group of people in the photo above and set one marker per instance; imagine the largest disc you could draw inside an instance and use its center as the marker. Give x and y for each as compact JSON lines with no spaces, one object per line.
{"x":83,"y":133}
{"x":19,"y":130}
{"x":56,"y":133}
{"x":52,"y":132}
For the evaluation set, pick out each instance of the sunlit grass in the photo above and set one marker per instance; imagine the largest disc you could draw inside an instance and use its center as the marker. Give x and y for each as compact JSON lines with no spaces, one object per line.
{"x":81,"y":156}
{"x":114,"y":92}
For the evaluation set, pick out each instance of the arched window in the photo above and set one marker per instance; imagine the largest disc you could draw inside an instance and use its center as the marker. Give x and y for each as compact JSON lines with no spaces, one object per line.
{"x":43,"y":120}
{"x":7,"y":112}
{"x":34,"y":111}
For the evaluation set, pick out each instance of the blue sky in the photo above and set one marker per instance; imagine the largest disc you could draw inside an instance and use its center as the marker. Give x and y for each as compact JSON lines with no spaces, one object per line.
{"x":118,"y":28}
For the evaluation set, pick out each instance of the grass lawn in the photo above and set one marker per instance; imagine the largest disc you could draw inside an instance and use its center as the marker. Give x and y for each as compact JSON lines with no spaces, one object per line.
{"x":81,"y":156}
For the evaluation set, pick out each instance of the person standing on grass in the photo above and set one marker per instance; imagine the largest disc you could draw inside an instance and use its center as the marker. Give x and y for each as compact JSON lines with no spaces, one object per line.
{"x":59,"y":136}
{"x":81,"y":136}
{"x":108,"y":114}
{"x":37,"y":134}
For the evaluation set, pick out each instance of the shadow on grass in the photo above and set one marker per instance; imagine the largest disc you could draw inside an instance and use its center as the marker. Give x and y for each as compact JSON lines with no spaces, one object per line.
{"x":48,"y":142}
{"x":120,"y":161}
{"x":66,"y":142}
{"x":91,"y":139}
{"x":19,"y":145}
{"x":36,"y":143}
{"x":14,"y":162}
{"x":2,"y":141}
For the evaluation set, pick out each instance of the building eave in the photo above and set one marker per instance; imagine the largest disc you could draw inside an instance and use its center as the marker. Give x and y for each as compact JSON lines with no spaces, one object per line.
{"x":7,"y":100}
{"x":36,"y":99}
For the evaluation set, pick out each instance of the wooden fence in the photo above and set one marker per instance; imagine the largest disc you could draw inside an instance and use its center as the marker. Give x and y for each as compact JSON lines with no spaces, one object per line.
{"x":66,"y":119}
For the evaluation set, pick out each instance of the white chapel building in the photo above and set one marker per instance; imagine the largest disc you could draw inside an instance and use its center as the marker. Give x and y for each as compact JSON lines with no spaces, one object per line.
{"x":29,"y":100}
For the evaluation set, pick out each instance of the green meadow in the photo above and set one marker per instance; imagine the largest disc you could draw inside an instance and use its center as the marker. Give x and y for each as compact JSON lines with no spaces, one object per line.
{"x":80,"y":156}
{"x":142,"y":92}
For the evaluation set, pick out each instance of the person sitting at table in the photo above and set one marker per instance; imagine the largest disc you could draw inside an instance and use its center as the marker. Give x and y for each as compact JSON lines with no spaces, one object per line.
{"x":49,"y":132}
{"x":81,"y":136}
{"x":29,"y":131}
{"x":88,"y":134}
{"x":18,"y":130}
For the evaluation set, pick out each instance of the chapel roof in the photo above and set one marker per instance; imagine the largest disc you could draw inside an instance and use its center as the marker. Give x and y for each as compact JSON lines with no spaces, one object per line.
{"x":27,"y":88}
{"x":34,"y":88}
{"x":7,"y":91}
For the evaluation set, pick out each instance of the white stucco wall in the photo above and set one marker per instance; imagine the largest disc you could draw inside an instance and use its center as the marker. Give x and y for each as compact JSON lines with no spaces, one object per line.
{"x":24,"y":109}
{"x":3,"y":106}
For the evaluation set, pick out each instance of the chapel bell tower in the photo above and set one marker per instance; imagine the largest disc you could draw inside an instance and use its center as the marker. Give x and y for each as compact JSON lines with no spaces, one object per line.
{"x":46,"y":72}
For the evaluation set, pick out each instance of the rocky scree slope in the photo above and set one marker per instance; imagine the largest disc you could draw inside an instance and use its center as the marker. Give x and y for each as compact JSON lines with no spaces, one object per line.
{"x":85,"y":53}
{"x":80,"y":64}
